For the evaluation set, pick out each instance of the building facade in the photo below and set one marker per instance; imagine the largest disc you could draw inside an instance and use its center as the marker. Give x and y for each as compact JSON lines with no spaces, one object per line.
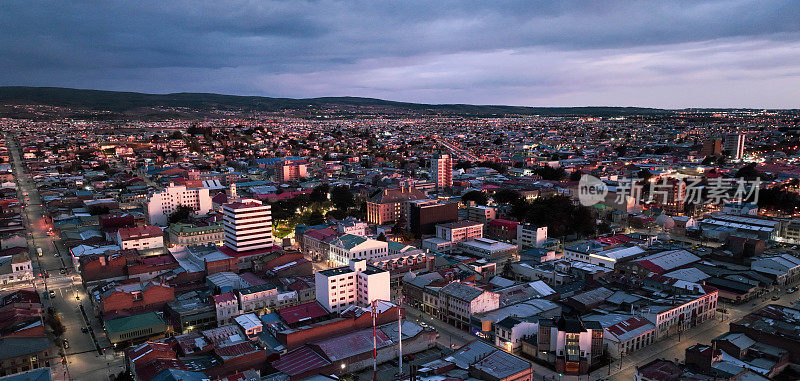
{"x":247,"y":225}
{"x":357,"y":284}
{"x":163,"y":203}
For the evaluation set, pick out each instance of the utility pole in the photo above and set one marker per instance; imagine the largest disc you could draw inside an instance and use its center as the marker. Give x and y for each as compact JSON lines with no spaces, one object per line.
{"x":400,"y":339}
{"x":374,"y":342}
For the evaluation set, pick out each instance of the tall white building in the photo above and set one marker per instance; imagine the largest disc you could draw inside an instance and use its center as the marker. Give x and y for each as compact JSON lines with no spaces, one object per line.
{"x":442,"y":168}
{"x":248,"y":225}
{"x":163,"y":203}
{"x":356,"y":284}
{"x":733,"y":145}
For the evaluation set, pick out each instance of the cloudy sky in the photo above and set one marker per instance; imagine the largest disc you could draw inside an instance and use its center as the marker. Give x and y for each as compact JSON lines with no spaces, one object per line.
{"x":535,"y":53}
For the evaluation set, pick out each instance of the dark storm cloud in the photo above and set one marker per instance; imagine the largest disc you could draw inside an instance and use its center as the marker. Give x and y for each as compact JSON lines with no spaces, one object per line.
{"x":541,"y":52}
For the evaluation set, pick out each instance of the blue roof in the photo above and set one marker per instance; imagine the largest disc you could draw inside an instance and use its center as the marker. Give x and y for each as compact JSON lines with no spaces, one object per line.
{"x":276,"y":160}
{"x":176,"y":374}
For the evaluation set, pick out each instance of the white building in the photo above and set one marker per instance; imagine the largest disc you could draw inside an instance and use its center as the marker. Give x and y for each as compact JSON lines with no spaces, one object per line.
{"x":140,"y":237}
{"x":530,"y":235}
{"x":442,"y":168}
{"x":597,"y":254}
{"x":352,"y":226}
{"x":352,"y":247}
{"x":741,"y":208}
{"x":733,"y":146}
{"x":356,"y":284}
{"x":629,"y":336}
{"x":509,"y":331}
{"x":248,"y":225}
{"x":458,"y":301}
{"x":15,"y":268}
{"x":685,"y":313}
{"x":250,"y":324}
{"x":226,"y":306}
{"x":487,"y":248}
{"x":163,"y":203}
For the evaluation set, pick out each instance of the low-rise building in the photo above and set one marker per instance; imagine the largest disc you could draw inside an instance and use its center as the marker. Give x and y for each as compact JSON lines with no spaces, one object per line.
{"x":15,"y":268}
{"x":181,"y":234}
{"x":488,"y":248}
{"x":458,"y":301}
{"x":136,"y":328}
{"x":569,"y":343}
{"x":351,"y":247}
{"x":140,"y":237}
{"x":629,"y":336}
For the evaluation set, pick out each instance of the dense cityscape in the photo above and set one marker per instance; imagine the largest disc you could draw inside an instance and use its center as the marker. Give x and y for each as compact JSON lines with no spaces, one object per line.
{"x":338,"y":190}
{"x":271,"y":246}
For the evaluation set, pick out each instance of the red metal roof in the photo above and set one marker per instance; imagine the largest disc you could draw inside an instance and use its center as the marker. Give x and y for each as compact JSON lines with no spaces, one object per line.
{"x":505,"y":223}
{"x":137,"y":232}
{"x":300,"y":361}
{"x":226,"y":297}
{"x":305,"y":311}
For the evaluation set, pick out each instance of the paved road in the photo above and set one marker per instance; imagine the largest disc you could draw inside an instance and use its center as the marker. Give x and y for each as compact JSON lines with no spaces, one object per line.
{"x":456,"y":151}
{"x":84,"y":361}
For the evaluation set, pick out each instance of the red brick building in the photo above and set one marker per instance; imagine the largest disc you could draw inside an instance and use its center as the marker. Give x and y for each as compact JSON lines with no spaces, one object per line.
{"x":135,"y":297}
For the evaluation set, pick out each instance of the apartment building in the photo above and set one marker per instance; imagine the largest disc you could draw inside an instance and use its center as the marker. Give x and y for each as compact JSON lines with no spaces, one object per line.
{"x":529,"y":235}
{"x":163,"y":203}
{"x":389,"y":206}
{"x":248,"y":225}
{"x":481,"y":213}
{"x":356,"y":284}
{"x":442,"y":168}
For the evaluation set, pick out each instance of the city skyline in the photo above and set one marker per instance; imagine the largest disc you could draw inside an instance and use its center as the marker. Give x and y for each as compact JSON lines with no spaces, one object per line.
{"x":675,"y":55}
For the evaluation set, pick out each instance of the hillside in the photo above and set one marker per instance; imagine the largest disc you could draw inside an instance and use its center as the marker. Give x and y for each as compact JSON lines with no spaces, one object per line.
{"x":115,"y":104}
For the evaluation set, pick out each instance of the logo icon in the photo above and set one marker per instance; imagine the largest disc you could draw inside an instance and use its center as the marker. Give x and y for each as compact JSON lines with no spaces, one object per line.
{"x":591,"y":190}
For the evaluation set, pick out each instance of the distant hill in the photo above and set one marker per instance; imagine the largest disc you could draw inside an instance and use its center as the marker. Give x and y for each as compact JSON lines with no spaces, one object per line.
{"x":129,"y":103}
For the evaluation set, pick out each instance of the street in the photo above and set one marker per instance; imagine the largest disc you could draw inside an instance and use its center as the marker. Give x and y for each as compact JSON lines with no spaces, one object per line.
{"x":83,"y":361}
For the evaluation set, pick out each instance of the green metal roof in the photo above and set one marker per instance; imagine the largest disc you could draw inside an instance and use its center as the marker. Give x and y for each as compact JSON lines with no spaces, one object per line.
{"x":132,"y":323}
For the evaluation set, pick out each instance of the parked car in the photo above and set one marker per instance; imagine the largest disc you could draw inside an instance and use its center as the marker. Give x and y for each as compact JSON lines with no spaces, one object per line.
{"x":84,"y":330}
{"x":66,"y":344}
{"x":791,"y":290}
{"x":52,"y":294}
{"x":775,"y":297}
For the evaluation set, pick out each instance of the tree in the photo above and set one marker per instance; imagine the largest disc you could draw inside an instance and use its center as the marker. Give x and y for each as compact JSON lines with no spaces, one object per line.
{"x":477,"y":196}
{"x":342,"y":198}
{"x":748,"y":172}
{"x":575,"y":176}
{"x":644,"y":174}
{"x":506,"y":196}
{"x":381,"y":237}
{"x":320,"y":193}
{"x":181,"y":214}
{"x":549,"y":173}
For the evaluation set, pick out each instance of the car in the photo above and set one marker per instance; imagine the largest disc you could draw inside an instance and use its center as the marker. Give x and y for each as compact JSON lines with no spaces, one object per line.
{"x":775,"y":297}
{"x":791,"y":290}
{"x":52,"y":294}
{"x":63,"y":271}
{"x":84,"y":330}
{"x":66,"y":344}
